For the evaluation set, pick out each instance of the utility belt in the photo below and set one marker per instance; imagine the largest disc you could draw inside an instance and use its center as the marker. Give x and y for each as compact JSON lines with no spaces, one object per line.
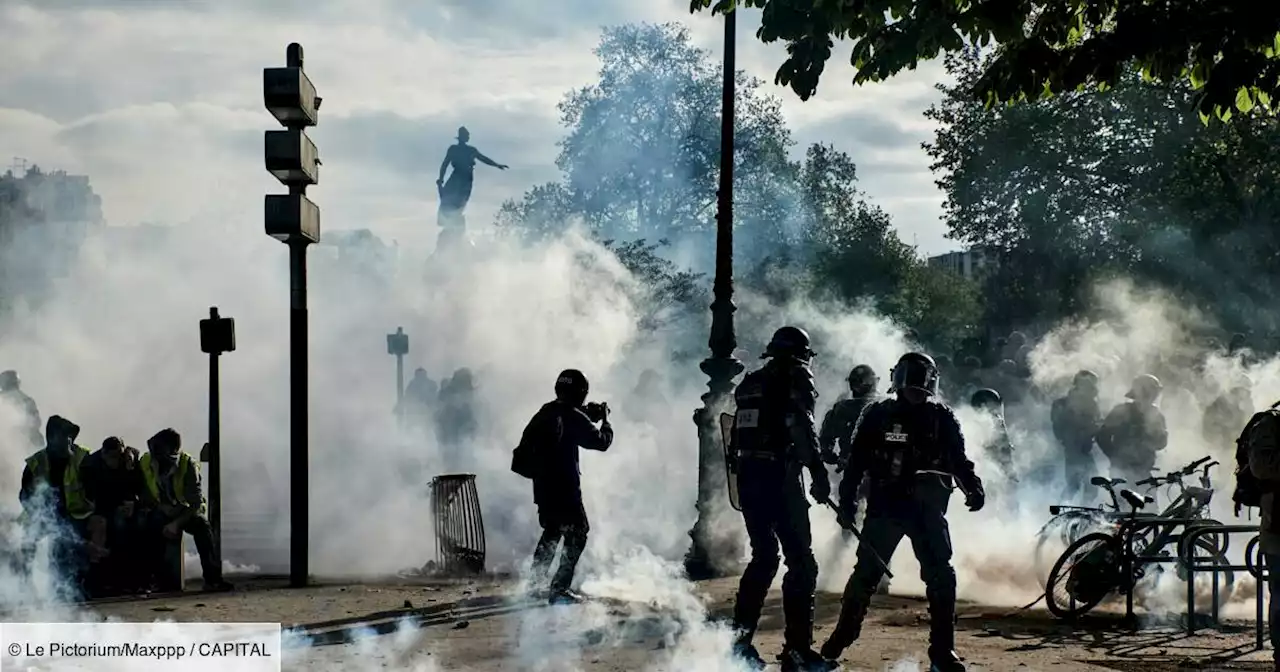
{"x":761,"y":455}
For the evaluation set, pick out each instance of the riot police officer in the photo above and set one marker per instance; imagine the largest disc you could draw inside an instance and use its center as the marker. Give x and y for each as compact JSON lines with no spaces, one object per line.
{"x":774,"y":438}
{"x":910,"y":447}
{"x":838,"y":423}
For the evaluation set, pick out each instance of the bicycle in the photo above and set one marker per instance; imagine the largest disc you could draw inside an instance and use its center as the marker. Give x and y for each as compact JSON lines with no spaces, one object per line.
{"x":1070,"y":522}
{"x":1102,"y":563}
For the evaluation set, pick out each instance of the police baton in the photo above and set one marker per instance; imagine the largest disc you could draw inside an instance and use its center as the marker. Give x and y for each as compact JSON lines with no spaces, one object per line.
{"x":853,"y":529}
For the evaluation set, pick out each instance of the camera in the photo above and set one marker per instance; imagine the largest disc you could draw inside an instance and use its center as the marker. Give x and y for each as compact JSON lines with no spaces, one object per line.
{"x":596,"y":411}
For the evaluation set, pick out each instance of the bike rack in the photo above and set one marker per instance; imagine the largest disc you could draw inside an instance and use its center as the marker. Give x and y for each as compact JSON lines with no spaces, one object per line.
{"x":1187,"y":554}
{"x":1141,"y":523}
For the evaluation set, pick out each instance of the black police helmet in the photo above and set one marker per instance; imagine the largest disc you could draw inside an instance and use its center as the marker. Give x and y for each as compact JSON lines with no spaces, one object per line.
{"x":863,"y":379}
{"x":789,"y":342}
{"x":571,"y":385}
{"x":915,"y":370}
{"x":984,"y":398}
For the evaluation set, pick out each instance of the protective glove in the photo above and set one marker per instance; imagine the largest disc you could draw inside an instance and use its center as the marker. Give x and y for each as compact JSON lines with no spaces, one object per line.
{"x":820,"y":488}
{"x":847,"y":511}
{"x":975,"y":497}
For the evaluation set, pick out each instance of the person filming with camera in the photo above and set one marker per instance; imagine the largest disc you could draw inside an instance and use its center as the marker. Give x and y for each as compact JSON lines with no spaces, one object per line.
{"x":548,"y":455}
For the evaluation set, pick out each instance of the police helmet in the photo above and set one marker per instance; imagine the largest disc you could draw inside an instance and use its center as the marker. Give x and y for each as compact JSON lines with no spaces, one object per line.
{"x":9,"y":380}
{"x":863,"y":379}
{"x":1085,"y":378}
{"x":571,"y":386}
{"x":915,"y":370}
{"x":984,"y":398}
{"x":789,"y":342}
{"x":1145,"y":388}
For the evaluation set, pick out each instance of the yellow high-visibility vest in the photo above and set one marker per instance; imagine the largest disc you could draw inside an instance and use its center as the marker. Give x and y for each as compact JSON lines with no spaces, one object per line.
{"x":77,"y":502}
{"x":151,"y":474}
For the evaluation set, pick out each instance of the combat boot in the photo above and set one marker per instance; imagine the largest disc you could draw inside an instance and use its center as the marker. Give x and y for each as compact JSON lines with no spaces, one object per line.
{"x":944,"y":661}
{"x":746,"y":652}
{"x":846,"y":632}
{"x":805,"y":660}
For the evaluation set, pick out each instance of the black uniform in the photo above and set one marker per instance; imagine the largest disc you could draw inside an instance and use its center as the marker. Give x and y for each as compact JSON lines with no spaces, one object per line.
{"x":837,"y":427}
{"x":837,"y":432}
{"x":775,"y":437}
{"x":1076,"y":418}
{"x":894,"y":442}
{"x":1131,"y":436}
{"x":557,"y":486}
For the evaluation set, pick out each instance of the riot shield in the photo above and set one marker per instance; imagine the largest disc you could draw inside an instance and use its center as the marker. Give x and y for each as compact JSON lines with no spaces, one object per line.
{"x":730,"y":458}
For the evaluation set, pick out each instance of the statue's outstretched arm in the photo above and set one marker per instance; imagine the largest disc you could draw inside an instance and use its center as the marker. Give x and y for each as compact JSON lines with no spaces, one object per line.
{"x":484,"y":159}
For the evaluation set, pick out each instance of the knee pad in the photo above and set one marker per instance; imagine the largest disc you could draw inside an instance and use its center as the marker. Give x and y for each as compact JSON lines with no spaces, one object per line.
{"x":764,"y":562}
{"x":942,"y":578}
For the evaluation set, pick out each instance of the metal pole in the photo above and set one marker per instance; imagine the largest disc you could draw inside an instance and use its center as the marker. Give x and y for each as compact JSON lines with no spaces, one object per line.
{"x":711,"y":554}
{"x":215,"y":453}
{"x":299,"y":502}
{"x":399,"y":381}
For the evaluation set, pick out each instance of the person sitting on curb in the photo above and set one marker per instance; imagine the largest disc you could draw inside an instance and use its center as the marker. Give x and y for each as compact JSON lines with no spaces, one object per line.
{"x":176,"y":503}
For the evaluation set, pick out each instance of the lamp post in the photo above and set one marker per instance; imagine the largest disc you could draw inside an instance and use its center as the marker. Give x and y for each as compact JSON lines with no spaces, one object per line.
{"x":398,"y":345}
{"x":217,"y":335}
{"x":294,"y":220}
{"x":713,"y":554}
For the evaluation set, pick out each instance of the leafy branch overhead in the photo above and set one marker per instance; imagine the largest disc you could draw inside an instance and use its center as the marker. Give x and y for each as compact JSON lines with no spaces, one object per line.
{"x":1228,"y":50}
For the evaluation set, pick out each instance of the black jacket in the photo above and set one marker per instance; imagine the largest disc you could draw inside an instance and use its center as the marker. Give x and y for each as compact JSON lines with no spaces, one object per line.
{"x":895,"y":440}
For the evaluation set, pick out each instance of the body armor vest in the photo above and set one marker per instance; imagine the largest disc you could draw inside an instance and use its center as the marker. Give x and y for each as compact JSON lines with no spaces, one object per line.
{"x":907,"y":443}
{"x":760,"y":427}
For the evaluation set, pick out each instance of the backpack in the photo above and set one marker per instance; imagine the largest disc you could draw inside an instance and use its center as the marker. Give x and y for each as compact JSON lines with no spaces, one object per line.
{"x":1249,"y":489}
{"x":547,"y":427}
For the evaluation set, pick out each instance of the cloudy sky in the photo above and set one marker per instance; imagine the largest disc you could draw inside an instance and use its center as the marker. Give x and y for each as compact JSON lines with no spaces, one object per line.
{"x":159,"y":101}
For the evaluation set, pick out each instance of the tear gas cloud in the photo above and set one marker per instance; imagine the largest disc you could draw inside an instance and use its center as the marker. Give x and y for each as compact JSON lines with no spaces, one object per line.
{"x":114,"y":347}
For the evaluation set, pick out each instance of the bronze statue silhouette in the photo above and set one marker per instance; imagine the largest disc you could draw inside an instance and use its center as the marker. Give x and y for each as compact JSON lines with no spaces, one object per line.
{"x":456,"y":192}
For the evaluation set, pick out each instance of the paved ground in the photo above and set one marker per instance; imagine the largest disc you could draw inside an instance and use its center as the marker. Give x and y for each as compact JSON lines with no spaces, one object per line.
{"x":483,"y":626}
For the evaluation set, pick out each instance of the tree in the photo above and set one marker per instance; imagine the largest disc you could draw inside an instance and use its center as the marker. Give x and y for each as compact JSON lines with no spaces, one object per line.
{"x":1126,"y":181}
{"x":641,"y":158}
{"x":668,"y":292}
{"x":1227,"y":49}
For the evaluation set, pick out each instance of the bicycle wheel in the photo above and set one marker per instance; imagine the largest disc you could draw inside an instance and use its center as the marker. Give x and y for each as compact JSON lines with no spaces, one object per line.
{"x":1251,"y":556}
{"x":1086,"y":573}
{"x":1063,"y":528}
{"x":1226,"y":577}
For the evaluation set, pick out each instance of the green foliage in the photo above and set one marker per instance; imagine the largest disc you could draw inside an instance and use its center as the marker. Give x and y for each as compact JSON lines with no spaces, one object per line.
{"x":1228,"y":50}
{"x":640,"y":162}
{"x":668,"y":291}
{"x":642,"y":153}
{"x":943,"y":307}
{"x":1126,"y":181}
